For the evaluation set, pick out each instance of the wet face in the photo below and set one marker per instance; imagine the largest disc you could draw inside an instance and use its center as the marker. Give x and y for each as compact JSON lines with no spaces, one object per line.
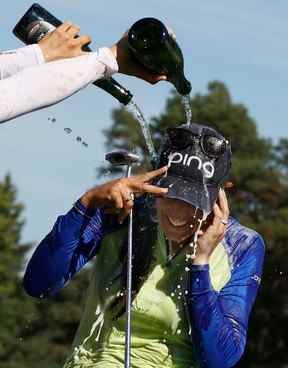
{"x":178,"y":219}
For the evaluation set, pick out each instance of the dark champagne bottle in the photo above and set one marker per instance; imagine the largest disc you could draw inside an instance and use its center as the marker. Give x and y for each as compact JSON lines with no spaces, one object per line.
{"x":37,"y":22}
{"x":156,"y":49}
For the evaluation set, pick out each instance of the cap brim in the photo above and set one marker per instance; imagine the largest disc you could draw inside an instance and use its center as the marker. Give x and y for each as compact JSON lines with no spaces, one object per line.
{"x":193,"y":193}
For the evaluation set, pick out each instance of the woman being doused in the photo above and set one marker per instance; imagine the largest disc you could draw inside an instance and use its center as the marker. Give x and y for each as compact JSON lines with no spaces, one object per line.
{"x":196,"y":270}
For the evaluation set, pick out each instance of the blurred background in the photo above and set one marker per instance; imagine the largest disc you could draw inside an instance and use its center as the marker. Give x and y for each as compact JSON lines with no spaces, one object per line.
{"x":235,"y":57}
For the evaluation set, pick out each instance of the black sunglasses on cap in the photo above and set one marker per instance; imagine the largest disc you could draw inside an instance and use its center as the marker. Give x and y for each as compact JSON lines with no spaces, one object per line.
{"x":211,"y":145}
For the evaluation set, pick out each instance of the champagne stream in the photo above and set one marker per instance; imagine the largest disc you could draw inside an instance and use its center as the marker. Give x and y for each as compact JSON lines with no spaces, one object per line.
{"x":187,"y":107}
{"x":145,"y":129}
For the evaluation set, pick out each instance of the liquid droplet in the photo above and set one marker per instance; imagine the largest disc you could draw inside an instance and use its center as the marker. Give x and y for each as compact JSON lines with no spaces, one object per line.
{"x":79,"y":139}
{"x":145,"y":129}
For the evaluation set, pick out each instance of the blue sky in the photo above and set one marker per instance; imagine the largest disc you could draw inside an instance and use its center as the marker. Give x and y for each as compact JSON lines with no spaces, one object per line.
{"x":242,"y":43}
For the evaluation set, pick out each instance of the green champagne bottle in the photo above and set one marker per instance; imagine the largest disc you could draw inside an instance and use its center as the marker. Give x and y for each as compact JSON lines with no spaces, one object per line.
{"x":37,"y":22}
{"x":155,"y":48}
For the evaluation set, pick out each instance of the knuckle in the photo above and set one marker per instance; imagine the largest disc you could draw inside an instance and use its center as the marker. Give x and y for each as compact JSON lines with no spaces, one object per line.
{"x":130,"y":205}
{"x":120,"y":185}
{"x":59,"y":32}
{"x":222,"y":234}
{"x":86,"y":39}
{"x":113,"y":191}
{"x":120,"y":182}
{"x":64,"y":36}
{"x":112,"y":194}
{"x":114,"y":183}
{"x":71,"y":43}
{"x":117,"y":203}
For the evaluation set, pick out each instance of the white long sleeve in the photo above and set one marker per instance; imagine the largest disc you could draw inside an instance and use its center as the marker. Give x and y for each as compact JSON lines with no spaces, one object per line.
{"x":14,"y":61}
{"x":46,"y":84}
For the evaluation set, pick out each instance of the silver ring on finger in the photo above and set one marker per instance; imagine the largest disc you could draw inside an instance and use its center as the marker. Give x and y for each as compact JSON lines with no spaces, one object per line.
{"x":130,"y":197}
{"x":224,"y":221}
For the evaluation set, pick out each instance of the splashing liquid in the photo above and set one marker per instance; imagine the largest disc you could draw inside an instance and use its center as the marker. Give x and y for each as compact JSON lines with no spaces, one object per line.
{"x":207,"y":195}
{"x":194,"y":243}
{"x":207,"y":204}
{"x":69,"y":131}
{"x":187,"y":108}
{"x":145,"y":129}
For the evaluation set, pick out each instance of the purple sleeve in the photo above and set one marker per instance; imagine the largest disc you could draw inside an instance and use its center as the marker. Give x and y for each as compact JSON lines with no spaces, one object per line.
{"x":73,"y":241}
{"x":220,"y":319}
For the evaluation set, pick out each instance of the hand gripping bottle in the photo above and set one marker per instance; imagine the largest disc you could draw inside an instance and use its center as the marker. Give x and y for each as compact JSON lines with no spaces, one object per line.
{"x":37,"y":22}
{"x":155,"y":48}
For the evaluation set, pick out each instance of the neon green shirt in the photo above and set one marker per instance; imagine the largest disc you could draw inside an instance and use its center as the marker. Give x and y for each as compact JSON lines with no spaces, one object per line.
{"x":161,"y":335}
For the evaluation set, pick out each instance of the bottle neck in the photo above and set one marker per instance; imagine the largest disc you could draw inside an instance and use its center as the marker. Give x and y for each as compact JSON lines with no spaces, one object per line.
{"x":182,"y":85}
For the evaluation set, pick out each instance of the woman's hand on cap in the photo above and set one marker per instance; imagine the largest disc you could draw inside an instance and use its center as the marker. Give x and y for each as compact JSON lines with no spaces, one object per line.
{"x":208,"y":240}
{"x":118,"y":195}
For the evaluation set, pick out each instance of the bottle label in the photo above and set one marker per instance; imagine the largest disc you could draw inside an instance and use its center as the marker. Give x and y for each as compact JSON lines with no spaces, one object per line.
{"x":37,"y":30}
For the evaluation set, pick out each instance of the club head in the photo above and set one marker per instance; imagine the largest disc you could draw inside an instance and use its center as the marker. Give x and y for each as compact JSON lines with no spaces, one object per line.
{"x":121,"y":157}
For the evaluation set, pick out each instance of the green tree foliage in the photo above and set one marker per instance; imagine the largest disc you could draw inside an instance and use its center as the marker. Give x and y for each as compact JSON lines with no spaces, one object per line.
{"x":259,"y":200}
{"x":33,"y":333}
{"x":12,"y":305}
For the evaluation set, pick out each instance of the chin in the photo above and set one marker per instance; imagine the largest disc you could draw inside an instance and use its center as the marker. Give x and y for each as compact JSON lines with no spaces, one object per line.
{"x":174,"y":233}
{"x":176,"y":237}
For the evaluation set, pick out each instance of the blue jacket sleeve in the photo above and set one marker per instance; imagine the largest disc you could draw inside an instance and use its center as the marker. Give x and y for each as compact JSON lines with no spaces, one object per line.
{"x":73,"y":241}
{"x":220,"y":319}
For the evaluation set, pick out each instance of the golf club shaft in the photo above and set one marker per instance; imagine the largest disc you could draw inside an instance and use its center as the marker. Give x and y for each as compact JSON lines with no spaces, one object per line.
{"x":129,"y":286}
